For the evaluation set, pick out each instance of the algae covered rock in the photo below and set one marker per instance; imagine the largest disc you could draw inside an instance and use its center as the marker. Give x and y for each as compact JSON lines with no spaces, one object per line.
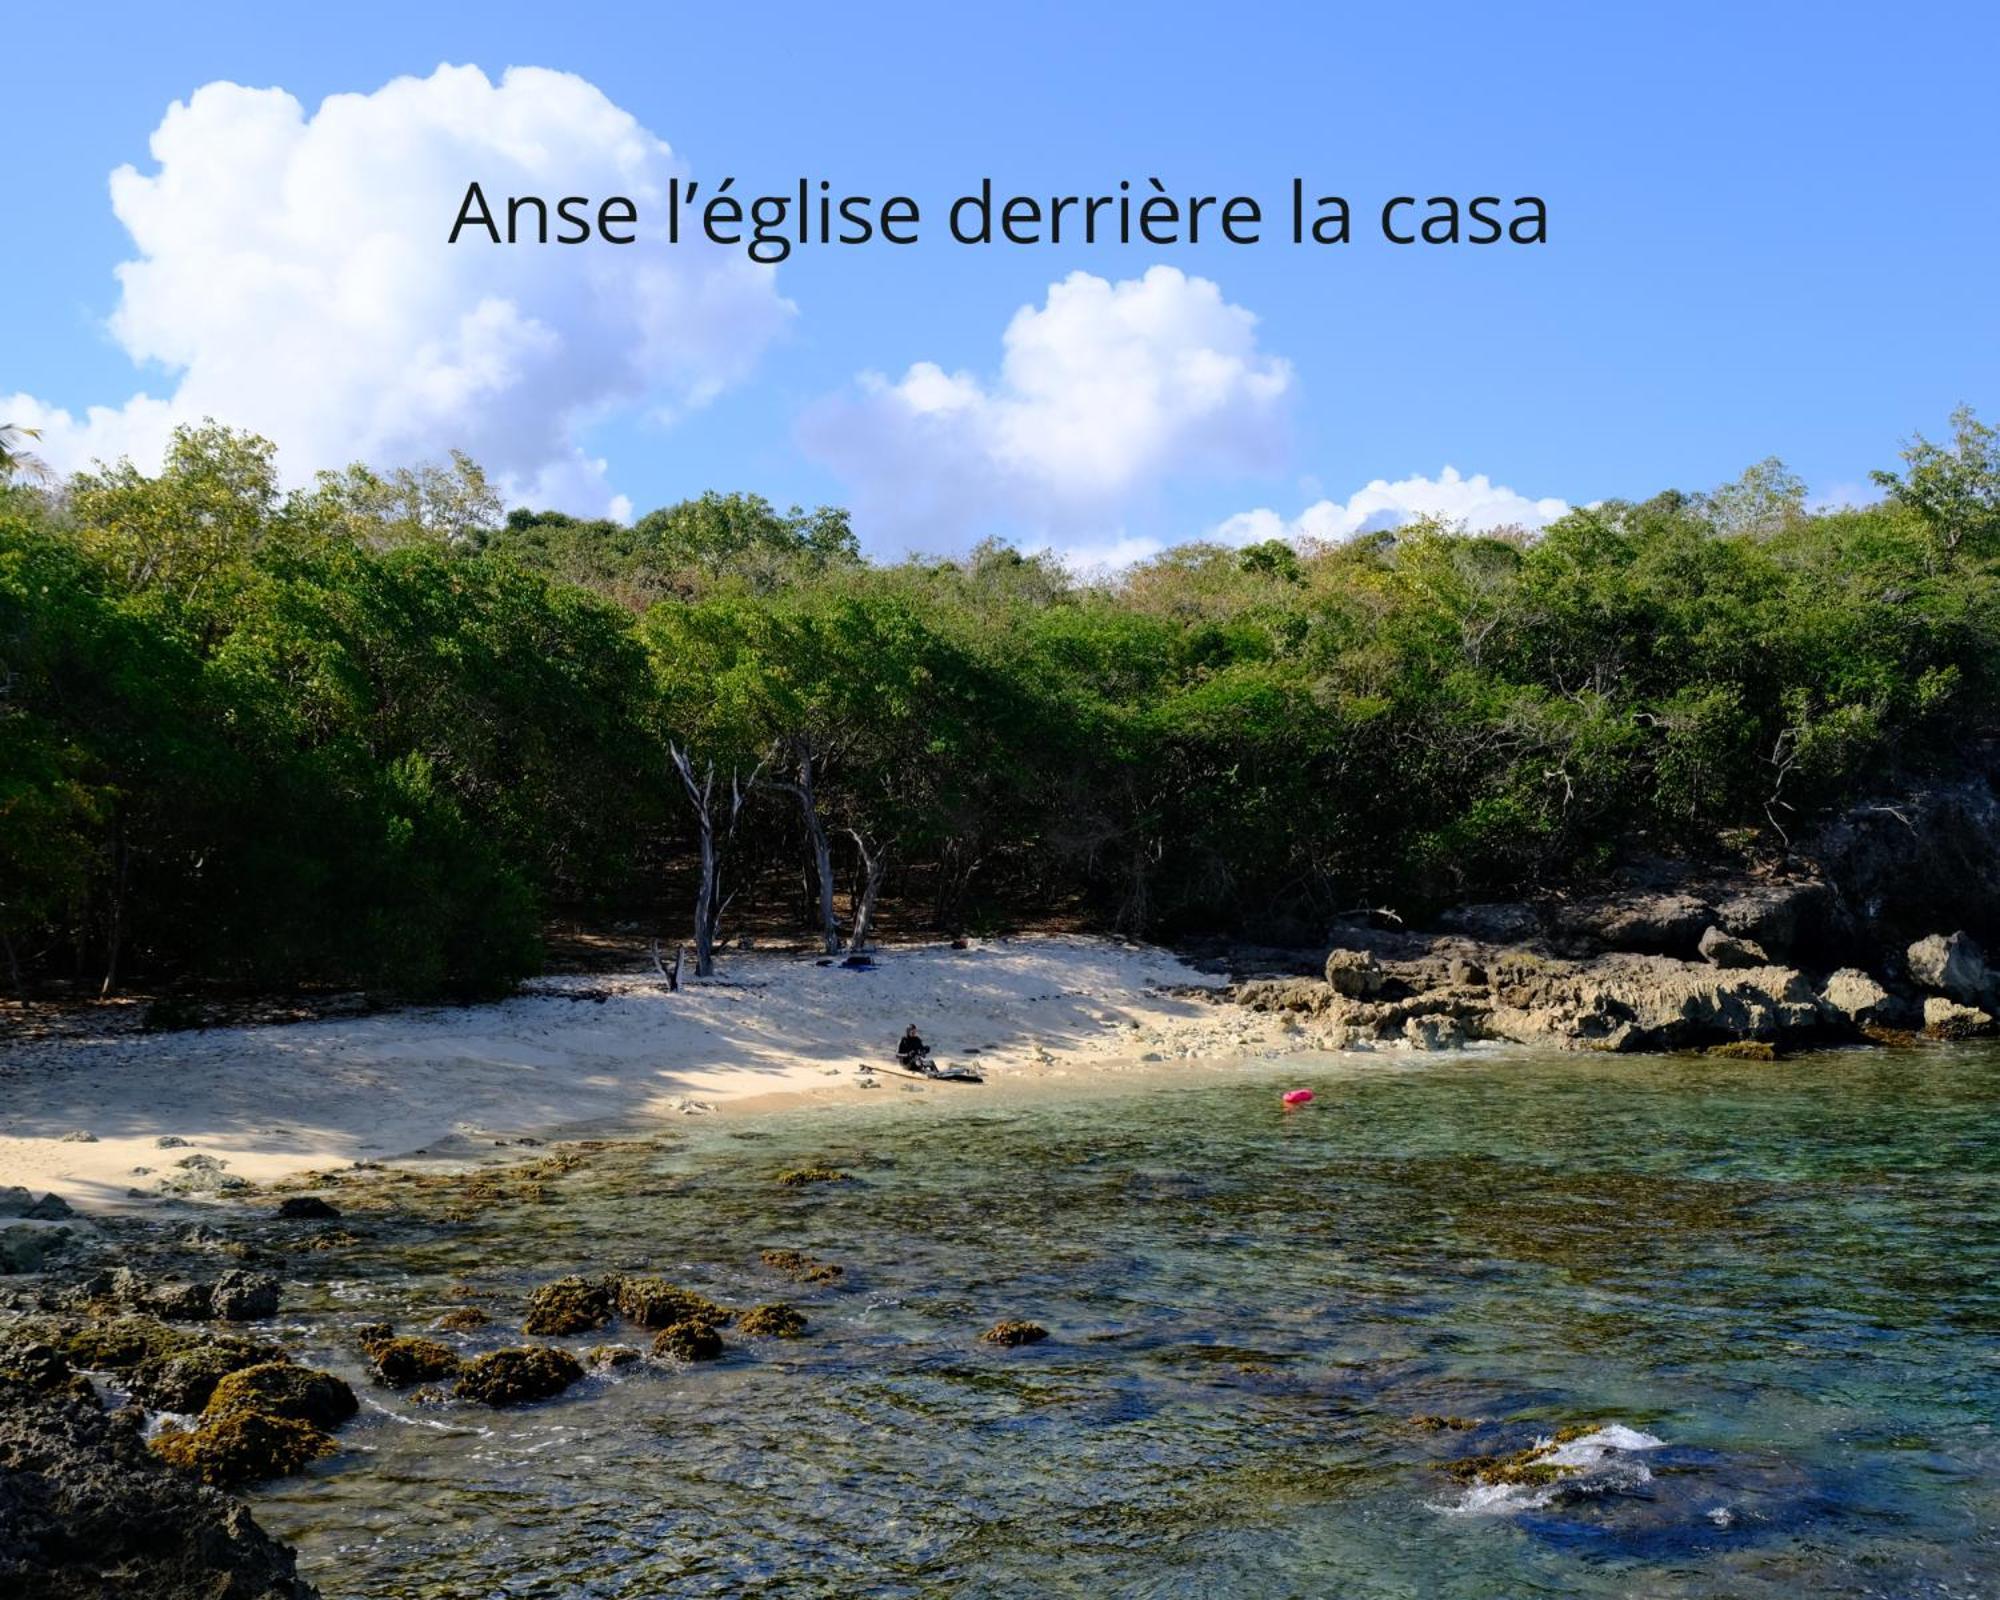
{"x":516,"y":1376}
{"x":402,"y":1362}
{"x":307,"y":1207}
{"x":775,"y":1321}
{"x":688,"y":1341}
{"x":1947,"y":1019}
{"x":1014,"y":1332}
{"x":800,"y":1267}
{"x":656,"y":1303}
{"x":1744,"y":1050}
{"x":283,"y":1389}
{"x":462,"y":1319}
{"x":799,"y":1177}
{"x":569,"y":1305}
{"x":609,"y":1357}
{"x":242,"y":1447}
{"x":186,"y":1379}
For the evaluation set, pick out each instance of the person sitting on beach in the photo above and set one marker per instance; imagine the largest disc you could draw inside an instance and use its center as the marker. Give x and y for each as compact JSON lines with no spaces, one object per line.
{"x":911,"y":1049}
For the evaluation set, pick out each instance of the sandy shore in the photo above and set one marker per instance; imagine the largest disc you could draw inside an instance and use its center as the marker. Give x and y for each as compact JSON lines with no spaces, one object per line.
{"x":577,"y":1054}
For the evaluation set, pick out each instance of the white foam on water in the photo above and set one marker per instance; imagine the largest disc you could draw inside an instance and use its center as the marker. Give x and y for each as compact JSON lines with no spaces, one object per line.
{"x":1601,"y":1460}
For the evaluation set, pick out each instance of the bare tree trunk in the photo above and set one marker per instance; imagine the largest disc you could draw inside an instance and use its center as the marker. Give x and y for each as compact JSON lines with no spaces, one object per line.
{"x":708,"y":901}
{"x":701,"y":796}
{"x":800,"y":788}
{"x":874,"y":863}
{"x":114,"y":939}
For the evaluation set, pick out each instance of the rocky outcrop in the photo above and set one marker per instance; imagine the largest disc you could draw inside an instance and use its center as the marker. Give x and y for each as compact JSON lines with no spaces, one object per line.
{"x":1354,"y":973}
{"x":86,"y":1510}
{"x":236,"y":1296}
{"x":1859,"y":1001}
{"x":1953,"y":966}
{"x":1437,"y":992}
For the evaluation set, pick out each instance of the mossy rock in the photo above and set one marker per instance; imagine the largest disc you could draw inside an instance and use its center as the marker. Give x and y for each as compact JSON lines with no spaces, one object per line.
{"x":186,"y":1380}
{"x":461,"y":1319}
{"x":799,"y":1177}
{"x":119,"y":1343}
{"x":800,"y":1267}
{"x":1013,"y":1332}
{"x":656,"y":1303}
{"x":368,"y":1333}
{"x":282,"y":1389}
{"x":569,"y":1305}
{"x":1430,"y":1422}
{"x":610,"y":1357}
{"x":402,"y":1362}
{"x":775,"y":1321}
{"x":688,"y":1341}
{"x":242,"y":1447}
{"x":1744,"y":1050}
{"x":516,"y":1376}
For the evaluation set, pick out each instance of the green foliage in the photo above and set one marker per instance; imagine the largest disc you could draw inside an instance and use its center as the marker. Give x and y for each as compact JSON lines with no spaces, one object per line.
{"x":369,"y":732}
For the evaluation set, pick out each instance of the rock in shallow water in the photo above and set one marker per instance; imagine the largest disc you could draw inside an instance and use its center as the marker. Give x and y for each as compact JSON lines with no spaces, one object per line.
{"x":86,"y":1511}
{"x":402,"y":1362}
{"x":569,"y":1305}
{"x":517,"y":1376}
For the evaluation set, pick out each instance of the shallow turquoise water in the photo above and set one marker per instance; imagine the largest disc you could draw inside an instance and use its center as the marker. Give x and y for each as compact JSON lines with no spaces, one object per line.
{"x":1786,"y":1275}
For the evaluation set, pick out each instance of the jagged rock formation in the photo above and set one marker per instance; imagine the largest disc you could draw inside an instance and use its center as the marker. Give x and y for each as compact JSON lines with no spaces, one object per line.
{"x":86,"y":1510}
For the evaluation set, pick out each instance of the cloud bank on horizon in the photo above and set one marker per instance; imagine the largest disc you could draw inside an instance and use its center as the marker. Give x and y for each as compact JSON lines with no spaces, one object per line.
{"x":1104,"y":391}
{"x":291,"y":276}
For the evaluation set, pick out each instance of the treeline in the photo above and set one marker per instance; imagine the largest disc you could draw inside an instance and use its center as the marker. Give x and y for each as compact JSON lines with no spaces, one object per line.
{"x":371,"y":732}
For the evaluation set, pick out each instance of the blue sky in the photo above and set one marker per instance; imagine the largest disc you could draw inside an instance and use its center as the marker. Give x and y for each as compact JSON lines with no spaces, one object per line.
{"x":1773,"y":230}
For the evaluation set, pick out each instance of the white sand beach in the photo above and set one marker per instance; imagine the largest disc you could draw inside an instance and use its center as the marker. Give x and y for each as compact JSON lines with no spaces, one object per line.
{"x":573,"y":1055}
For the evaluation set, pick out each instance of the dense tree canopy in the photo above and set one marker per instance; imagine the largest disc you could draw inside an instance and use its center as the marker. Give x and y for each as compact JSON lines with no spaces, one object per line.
{"x":371,"y":731}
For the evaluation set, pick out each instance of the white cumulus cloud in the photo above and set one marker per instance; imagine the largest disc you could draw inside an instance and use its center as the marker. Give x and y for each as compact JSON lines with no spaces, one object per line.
{"x":1104,"y":391}
{"x":1477,"y":503}
{"x":292,"y":276}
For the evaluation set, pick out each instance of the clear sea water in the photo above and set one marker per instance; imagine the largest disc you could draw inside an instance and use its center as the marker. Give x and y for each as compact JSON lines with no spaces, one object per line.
{"x":1772,"y":1291}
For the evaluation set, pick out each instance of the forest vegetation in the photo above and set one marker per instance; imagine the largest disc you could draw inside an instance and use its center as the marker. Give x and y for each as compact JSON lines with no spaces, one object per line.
{"x":371,"y":732}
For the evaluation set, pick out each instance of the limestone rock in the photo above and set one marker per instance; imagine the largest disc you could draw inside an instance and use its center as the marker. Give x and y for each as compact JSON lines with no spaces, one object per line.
{"x":1852,"y":994}
{"x":1725,"y":950}
{"x":1953,"y":966}
{"x":1653,"y":923}
{"x":1354,"y":973}
{"x":1947,"y":1019}
{"x":1435,"y":1032}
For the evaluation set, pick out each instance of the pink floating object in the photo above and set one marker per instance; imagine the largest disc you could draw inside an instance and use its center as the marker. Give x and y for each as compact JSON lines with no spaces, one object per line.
{"x":1297,"y":1097}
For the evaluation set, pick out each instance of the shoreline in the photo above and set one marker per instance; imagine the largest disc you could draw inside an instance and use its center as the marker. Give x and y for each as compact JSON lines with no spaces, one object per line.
{"x":576,"y":1056}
